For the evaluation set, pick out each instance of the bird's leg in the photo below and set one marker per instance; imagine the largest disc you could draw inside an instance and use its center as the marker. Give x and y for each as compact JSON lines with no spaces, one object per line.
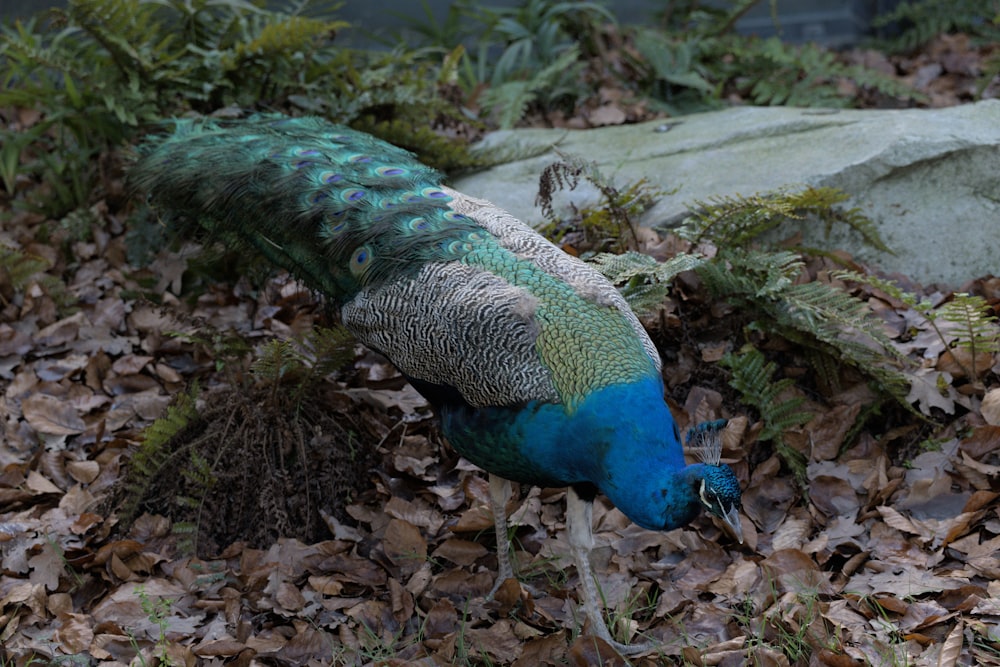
{"x":579,"y":518}
{"x":499,"y":496}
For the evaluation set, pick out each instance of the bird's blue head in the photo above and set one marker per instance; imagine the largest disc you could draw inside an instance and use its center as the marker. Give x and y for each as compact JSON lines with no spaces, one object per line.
{"x":719,"y":493}
{"x":675,"y":495}
{"x":718,"y":487}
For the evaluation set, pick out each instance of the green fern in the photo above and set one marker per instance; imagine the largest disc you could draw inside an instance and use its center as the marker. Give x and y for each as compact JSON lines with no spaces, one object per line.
{"x":509,"y":100}
{"x":102,"y":70}
{"x":923,"y":20}
{"x":830,"y":327}
{"x":772,"y":72}
{"x":301,"y":363}
{"x":815,"y":315}
{"x":19,"y":269}
{"x":147,"y":462}
{"x":971,"y":324}
{"x":974,"y":325}
{"x":612,"y":221}
{"x":753,"y":377}
{"x":643,"y":281}
{"x":737,"y":220}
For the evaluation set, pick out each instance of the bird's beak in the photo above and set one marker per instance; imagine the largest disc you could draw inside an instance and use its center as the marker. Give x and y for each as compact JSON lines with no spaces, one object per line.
{"x":732,"y":519}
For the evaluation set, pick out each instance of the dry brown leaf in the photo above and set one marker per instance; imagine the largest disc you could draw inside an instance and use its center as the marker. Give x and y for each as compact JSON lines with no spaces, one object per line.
{"x":982,"y":441}
{"x":84,"y":472}
{"x":827,"y":430}
{"x":931,"y":389}
{"x":441,"y":619}
{"x":62,"y":332}
{"x":497,"y":641}
{"x":39,"y":484}
{"x":590,"y":651}
{"x":951,"y":649}
{"x":608,"y":114}
{"x":460,"y":552}
{"x":74,"y":633}
{"x":404,"y":545}
{"x":52,"y":416}
{"x":990,"y":407}
{"x":794,"y":571}
{"x":545,"y":651}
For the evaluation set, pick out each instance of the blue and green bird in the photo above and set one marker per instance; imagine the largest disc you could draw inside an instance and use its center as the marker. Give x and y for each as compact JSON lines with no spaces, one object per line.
{"x":537,"y":368}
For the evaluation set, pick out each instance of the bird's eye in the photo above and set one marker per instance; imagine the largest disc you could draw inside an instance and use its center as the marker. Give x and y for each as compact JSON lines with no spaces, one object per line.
{"x":710,"y":499}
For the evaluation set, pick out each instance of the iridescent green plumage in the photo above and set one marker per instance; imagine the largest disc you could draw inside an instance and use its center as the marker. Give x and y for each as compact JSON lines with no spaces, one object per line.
{"x":537,"y":367}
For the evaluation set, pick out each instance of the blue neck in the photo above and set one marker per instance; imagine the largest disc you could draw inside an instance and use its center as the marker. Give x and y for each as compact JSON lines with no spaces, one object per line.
{"x":621,"y":438}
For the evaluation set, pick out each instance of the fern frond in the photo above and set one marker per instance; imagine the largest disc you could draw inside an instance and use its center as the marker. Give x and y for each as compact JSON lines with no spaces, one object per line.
{"x":823,"y":203}
{"x":20,"y":267}
{"x":302,"y":362}
{"x":814,"y":314}
{"x":737,"y":220}
{"x":973,"y":316}
{"x":292,"y":34}
{"x":923,"y":20}
{"x":278,"y":361}
{"x":974,"y":325}
{"x":751,"y":274}
{"x":772,"y":72}
{"x":331,"y":348}
{"x":753,"y":377}
{"x":965,"y":321}
{"x":643,"y":281}
{"x":155,"y":450}
{"x":510,"y":99}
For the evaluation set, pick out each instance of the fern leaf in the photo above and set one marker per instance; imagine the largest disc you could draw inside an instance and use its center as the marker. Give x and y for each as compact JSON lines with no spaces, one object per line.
{"x":643,"y":281}
{"x":510,"y":99}
{"x":752,"y":376}
{"x":147,"y":462}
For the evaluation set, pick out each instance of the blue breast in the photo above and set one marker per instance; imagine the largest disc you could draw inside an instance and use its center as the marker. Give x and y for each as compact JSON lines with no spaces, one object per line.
{"x":613,"y":433}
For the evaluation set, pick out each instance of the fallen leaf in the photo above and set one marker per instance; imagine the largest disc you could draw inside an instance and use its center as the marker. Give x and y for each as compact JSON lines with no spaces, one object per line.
{"x":52,"y":416}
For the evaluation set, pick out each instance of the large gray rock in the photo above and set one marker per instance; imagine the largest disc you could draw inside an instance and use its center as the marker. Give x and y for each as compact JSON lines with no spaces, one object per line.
{"x":929,"y":178}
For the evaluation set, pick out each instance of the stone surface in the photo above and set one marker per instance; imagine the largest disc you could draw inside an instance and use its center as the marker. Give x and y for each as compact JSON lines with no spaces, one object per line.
{"x":929,"y":178}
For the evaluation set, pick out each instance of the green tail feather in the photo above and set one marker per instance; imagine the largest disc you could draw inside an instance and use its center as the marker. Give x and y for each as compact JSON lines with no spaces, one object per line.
{"x":289,"y":186}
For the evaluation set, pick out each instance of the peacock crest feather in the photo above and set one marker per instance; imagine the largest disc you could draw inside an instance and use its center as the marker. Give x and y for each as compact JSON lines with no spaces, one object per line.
{"x":704,"y":440}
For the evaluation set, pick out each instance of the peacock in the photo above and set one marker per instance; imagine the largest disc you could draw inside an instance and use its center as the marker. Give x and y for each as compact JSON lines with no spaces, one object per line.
{"x":536,"y":367}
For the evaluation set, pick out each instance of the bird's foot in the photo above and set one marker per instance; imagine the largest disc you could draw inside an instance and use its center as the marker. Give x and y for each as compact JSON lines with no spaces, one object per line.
{"x":501,"y":580}
{"x":630,"y":649}
{"x":598,"y":627}
{"x":509,"y":588}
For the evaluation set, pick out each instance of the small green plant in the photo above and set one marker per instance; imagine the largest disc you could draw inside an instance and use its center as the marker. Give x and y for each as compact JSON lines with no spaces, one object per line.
{"x":736,"y":221}
{"x":639,"y":604}
{"x":753,"y":377}
{"x":154,"y":451}
{"x":19,"y":269}
{"x":793,"y":623}
{"x":228,"y":349}
{"x":302,"y":363}
{"x":963,"y":321}
{"x":611,"y":223}
{"x":829,"y":327}
{"x":922,"y":20}
{"x":699,"y":59}
{"x":974,"y":327}
{"x":829,"y":324}
{"x":527,"y":56}
{"x":158,"y":613}
{"x":101,"y":71}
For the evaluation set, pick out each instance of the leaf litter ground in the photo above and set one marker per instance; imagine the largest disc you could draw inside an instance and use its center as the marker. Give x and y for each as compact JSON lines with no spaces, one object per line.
{"x":342,"y":530}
